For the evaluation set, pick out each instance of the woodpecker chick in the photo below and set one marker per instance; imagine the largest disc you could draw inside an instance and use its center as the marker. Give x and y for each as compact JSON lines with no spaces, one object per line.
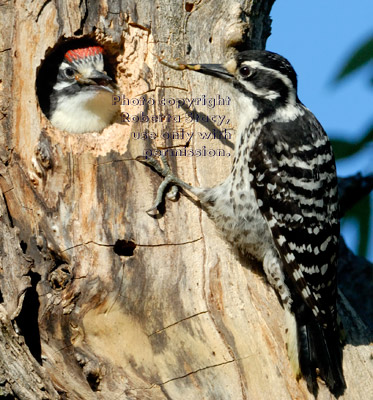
{"x":280,"y":205}
{"x":81,"y":100}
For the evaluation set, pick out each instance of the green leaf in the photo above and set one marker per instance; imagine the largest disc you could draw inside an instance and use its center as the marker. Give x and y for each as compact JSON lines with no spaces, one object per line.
{"x":361,"y":212}
{"x":361,"y":57}
{"x":343,"y":149}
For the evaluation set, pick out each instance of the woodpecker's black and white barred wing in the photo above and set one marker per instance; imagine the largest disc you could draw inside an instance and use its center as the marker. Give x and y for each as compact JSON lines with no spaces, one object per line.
{"x":295,"y":182}
{"x":296,"y":188}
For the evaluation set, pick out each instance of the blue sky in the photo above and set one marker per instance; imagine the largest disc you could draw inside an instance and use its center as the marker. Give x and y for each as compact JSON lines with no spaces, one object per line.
{"x":317,"y":37}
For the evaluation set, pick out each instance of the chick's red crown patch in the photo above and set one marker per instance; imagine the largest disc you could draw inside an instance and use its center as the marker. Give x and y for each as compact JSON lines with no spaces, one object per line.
{"x":79,"y":54}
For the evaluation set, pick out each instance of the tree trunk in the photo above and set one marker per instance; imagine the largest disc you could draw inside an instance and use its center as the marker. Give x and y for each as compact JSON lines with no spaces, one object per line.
{"x":98,"y":299}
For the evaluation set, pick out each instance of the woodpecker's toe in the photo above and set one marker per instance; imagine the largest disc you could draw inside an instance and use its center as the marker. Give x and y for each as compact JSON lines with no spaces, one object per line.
{"x":169,"y":178}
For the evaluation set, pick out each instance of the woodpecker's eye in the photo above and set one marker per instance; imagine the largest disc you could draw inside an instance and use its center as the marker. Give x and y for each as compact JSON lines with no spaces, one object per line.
{"x":245,"y":71}
{"x":69,"y":72}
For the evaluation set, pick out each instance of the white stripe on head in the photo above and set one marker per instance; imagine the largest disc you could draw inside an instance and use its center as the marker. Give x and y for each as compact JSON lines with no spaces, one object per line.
{"x":269,"y":95}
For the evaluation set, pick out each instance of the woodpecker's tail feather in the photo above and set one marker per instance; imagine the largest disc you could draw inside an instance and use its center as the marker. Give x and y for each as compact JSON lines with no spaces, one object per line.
{"x":319,"y":348}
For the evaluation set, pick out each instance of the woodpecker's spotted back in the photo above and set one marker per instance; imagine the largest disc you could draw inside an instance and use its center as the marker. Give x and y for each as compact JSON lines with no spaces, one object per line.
{"x":283,"y":159}
{"x":294,"y":178}
{"x":280,"y":205}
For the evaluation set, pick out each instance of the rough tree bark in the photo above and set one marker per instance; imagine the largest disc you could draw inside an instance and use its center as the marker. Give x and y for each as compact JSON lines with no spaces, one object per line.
{"x":99,"y":300}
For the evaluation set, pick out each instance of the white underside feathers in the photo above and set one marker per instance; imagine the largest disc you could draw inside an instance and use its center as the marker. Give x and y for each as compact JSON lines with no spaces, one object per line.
{"x":88,"y":111}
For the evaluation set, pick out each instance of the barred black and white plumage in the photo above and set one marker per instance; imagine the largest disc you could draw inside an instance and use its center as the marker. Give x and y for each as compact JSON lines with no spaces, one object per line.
{"x":280,"y":205}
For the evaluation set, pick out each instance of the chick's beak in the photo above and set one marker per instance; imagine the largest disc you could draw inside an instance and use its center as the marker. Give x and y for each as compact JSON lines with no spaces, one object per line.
{"x":94,"y":78}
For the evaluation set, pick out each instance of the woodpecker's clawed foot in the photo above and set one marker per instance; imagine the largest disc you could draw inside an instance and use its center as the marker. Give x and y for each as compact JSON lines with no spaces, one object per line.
{"x":165,"y":171}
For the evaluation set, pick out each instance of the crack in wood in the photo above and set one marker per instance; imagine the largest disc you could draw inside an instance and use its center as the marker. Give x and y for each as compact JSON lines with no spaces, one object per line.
{"x":196,"y":371}
{"x":85,"y":243}
{"x":7,"y":210}
{"x":178,"y":322}
{"x":203,"y":369}
{"x":155,"y":385}
{"x":42,"y":9}
{"x":114,"y":161}
{"x":137,"y":245}
{"x":170,"y":244}
{"x":161,"y":87}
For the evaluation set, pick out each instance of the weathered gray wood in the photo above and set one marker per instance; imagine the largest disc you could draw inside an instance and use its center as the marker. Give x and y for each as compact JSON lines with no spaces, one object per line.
{"x":132,"y":307}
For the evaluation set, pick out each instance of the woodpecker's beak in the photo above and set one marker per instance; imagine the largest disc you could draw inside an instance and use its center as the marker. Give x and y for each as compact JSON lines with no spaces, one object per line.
{"x":95,"y":78}
{"x":216,"y":70}
{"x":97,"y":75}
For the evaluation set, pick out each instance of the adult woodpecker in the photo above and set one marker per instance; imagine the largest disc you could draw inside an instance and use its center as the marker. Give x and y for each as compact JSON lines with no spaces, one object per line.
{"x":81,"y":100}
{"x":280,"y":205}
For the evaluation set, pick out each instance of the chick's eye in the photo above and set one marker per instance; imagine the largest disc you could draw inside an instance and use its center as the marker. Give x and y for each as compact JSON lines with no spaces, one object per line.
{"x":245,"y":71}
{"x":69,"y":72}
